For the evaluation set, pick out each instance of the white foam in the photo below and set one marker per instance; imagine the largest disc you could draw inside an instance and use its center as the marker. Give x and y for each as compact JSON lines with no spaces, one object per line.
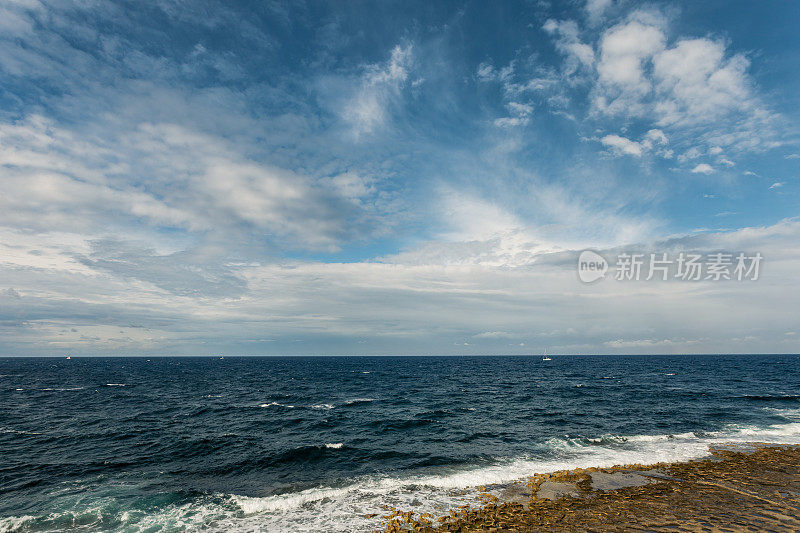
{"x":322,"y":406}
{"x":19,"y":431}
{"x":14,"y":523}
{"x":288,"y":502}
{"x":276,"y":404}
{"x":334,"y":445}
{"x":359,"y":400}
{"x":115,"y":384}
{"x":788,"y":414}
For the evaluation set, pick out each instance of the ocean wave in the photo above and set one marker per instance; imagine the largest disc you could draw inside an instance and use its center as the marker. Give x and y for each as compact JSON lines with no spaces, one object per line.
{"x":301,"y":455}
{"x":773,"y":397}
{"x":321,"y":509}
{"x":287,"y":502}
{"x":788,"y":414}
{"x":19,"y":431}
{"x":15,"y":523}
{"x":343,"y":508}
{"x":322,"y":406}
{"x":356,"y":401}
{"x":276,"y":404}
{"x":110,"y":514}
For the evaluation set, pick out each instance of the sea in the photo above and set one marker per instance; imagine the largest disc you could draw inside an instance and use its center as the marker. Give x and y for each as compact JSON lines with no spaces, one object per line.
{"x":321,"y":443}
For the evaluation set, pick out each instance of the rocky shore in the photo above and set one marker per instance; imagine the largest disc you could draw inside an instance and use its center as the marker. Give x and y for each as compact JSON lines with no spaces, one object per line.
{"x":754,"y":487}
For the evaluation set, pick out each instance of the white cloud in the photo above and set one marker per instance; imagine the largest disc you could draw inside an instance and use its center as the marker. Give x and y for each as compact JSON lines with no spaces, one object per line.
{"x":520,"y":109}
{"x":54,"y":180}
{"x":379,"y":87}
{"x":776,"y":185}
{"x":655,"y":137}
{"x":578,"y":54}
{"x":688,"y":83}
{"x":10,"y":293}
{"x":16,"y":19}
{"x":703,"y":168}
{"x":622,"y":146}
{"x":485,"y":72}
{"x":691,"y":85}
{"x":413,"y":308}
{"x":622,"y":82}
{"x":493,"y":335}
{"x":477,"y":231}
{"x":520,"y":115}
{"x":649,"y":343}
{"x":697,"y":83}
{"x":595,"y":9}
{"x":352,"y":186}
{"x":692,"y":153}
{"x":510,"y":122}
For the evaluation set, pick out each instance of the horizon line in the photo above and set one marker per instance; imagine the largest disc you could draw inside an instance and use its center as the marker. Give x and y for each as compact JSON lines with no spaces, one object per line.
{"x":209,"y":356}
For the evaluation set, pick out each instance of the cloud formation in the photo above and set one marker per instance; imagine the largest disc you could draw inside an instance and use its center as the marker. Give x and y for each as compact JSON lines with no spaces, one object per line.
{"x":624,"y":146}
{"x":690,"y":87}
{"x":703,"y":168}
{"x":54,"y":179}
{"x":379,"y":87}
{"x":272,"y":178}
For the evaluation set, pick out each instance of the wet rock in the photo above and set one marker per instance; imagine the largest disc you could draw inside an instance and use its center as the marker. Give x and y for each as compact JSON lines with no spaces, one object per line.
{"x":552,"y":490}
{"x":617,"y":480}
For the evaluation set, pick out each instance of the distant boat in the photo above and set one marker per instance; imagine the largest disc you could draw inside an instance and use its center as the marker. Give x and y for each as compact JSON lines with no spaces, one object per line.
{"x":545,"y":358}
{"x":69,"y":357}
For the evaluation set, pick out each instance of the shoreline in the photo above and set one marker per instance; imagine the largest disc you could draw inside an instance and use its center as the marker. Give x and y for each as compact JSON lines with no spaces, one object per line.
{"x":738,"y":486}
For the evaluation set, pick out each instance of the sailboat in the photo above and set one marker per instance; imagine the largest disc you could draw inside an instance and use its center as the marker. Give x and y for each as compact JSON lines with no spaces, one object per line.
{"x":545,"y":358}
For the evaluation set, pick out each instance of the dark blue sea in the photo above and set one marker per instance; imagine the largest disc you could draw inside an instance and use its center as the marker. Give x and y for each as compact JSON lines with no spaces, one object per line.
{"x":315,"y":443}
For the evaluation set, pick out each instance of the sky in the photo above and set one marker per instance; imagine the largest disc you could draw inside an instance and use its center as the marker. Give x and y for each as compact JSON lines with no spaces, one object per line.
{"x":264,"y":178}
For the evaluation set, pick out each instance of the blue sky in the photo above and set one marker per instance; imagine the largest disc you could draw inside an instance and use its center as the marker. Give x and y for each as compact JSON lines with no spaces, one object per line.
{"x":392,"y":177}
